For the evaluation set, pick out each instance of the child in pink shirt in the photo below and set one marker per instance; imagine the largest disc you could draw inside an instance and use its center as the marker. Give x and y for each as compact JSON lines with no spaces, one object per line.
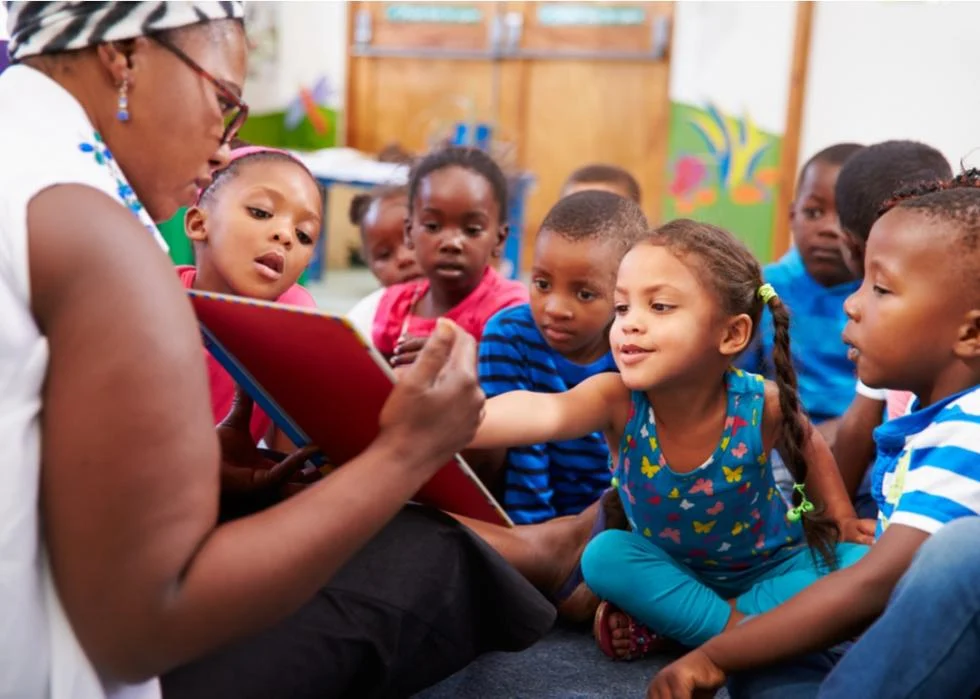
{"x":457,"y":199}
{"x":253,"y":229}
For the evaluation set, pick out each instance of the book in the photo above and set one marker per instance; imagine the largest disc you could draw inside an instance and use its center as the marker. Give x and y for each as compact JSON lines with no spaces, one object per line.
{"x":322,"y":383}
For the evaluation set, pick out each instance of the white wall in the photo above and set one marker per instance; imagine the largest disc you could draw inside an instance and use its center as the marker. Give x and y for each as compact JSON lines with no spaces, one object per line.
{"x":884,"y":70}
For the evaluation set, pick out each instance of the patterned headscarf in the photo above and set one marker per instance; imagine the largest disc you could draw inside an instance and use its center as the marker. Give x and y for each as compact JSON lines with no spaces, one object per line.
{"x":53,"y":27}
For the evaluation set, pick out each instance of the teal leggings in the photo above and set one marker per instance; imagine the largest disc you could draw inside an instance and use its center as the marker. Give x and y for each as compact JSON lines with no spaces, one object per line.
{"x":633,"y":573}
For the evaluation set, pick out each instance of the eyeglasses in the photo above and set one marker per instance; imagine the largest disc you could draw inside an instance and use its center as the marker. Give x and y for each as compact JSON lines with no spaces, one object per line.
{"x":232,"y":106}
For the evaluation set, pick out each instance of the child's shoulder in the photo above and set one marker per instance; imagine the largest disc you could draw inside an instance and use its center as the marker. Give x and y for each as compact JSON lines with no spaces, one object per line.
{"x":513,"y":320}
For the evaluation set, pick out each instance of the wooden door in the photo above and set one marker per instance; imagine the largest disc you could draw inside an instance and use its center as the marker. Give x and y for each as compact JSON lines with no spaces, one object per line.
{"x":565,"y":84}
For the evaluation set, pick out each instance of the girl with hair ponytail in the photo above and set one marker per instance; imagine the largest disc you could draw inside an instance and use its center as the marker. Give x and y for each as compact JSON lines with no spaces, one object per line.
{"x":711,"y":541}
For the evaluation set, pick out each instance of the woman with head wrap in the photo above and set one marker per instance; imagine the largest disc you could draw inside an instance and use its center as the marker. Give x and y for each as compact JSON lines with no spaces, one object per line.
{"x":113,"y":568}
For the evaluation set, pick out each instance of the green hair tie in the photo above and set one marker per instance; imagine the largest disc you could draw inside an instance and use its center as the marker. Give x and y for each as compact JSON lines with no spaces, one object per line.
{"x":767,"y":293}
{"x":805,"y":505}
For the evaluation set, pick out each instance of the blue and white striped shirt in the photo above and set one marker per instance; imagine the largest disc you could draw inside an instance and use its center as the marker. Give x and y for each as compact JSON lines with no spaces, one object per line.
{"x":928,"y":468}
{"x":545,"y":480}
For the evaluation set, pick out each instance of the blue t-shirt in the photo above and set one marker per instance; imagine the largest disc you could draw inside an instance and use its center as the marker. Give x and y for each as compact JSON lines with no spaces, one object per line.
{"x":927,"y":472}
{"x":557,"y":478}
{"x":826,"y":376}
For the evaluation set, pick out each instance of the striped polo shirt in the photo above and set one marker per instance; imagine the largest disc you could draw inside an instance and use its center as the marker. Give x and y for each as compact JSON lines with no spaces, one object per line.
{"x":557,"y":478}
{"x":928,"y":468}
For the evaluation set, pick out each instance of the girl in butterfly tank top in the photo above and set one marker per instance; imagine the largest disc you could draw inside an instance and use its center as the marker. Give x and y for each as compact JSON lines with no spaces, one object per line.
{"x":711,"y":541}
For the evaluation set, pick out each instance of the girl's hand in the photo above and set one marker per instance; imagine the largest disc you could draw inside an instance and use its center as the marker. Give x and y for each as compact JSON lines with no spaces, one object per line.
{"x":406,"y":351}
{"x":693,"y":675}
{"x":857,"y":531}
{"x":244,"y":471}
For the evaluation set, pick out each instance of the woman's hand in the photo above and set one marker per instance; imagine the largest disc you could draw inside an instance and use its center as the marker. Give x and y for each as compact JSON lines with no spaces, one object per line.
{"x":857,"y":531}
{"x":437,"y":404}
{"x":244,"y":471}
{"x":693,"y":675}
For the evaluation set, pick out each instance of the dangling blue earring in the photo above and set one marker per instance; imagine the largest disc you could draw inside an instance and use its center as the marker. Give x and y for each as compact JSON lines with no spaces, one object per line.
{"x":122,"y":110}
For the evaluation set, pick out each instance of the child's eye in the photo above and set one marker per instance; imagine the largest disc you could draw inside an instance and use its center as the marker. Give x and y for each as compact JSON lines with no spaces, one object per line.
{"x":303,"y":238}
{"x":431,"y":226}
{"x":879,"y":290}
{"x":661,"y":307}
{"x":382,"y":255}
{"x":621,"y":309}
{"x":260,"y":214}
{"x":541,"y":284}
{"x":586,"y":295}
{"x":224,"y":105}
{"x":812,"y":213}
{"x":474,"y":230}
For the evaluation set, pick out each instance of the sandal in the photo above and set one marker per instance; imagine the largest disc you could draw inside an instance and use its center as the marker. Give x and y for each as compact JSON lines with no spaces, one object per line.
{"x":642,"y":640}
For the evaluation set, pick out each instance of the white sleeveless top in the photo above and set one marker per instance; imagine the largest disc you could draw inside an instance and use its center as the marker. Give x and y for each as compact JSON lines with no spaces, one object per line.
{"x":45,"y":139}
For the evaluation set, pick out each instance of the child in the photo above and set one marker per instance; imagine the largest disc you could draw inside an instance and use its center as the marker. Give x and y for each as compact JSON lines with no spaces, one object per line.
{"x":381,"y":215}
{"x":254,"y":229}
{"x":606,"y":178}
{"x":711,"y":542}
{"x":914,"y":325}
{"x":557,"y":341}
{"x":457,"y":208}
{"x":813,"y":279}
{"x":866,"y":181}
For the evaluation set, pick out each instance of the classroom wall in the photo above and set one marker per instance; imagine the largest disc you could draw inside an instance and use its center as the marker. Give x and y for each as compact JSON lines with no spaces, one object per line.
{"x":881,"y":70}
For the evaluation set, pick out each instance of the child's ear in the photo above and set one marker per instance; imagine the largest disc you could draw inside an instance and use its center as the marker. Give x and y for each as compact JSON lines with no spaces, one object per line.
{"x":792,"y":210}
{"x":195,"y":224}
{"x":502,"y":232}
{"x":736,"y":335}
{"x":967,"y":345}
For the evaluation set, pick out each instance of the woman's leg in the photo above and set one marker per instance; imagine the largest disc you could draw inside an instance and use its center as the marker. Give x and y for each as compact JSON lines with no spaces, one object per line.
{"x":419,"y":602}
{"x":792,"y":576}
{"x":637,"y":576}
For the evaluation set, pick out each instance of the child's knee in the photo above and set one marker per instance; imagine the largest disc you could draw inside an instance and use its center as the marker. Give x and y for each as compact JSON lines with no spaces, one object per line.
{"x":603,"y":559}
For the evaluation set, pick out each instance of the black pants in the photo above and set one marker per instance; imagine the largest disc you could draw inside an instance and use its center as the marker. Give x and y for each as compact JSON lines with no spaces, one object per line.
{"x":422,"y":600}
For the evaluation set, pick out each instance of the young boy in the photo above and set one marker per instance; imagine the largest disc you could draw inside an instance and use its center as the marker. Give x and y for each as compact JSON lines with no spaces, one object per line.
{"x":605,"y":178}
{"x":557,"y":341}
{"x":865,"y":182}
{"x":914,"y":325}
{"x":813,"y":279}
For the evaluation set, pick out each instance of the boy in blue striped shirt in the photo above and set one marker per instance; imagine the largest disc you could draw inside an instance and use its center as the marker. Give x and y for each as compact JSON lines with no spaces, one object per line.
{"x":557,"y":341}
{"x":914,"y":325}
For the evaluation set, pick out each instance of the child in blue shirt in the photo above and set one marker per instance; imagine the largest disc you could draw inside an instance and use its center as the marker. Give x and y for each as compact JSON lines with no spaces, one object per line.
{"x":813,"y":279}
{"x":557,"y":341}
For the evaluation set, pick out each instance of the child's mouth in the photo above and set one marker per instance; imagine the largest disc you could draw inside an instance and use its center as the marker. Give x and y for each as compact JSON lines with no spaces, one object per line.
{"x":450,"y":271}
{"x":271,"y":265}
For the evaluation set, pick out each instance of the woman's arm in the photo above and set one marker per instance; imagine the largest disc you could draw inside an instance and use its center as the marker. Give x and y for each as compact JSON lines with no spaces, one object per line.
{"x":130,"y":458}
{"x":521,"y":418}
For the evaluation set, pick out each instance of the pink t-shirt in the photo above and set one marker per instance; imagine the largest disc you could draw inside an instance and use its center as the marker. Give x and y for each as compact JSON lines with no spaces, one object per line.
{"x":492,"y":294}
{"x":222,"y":385}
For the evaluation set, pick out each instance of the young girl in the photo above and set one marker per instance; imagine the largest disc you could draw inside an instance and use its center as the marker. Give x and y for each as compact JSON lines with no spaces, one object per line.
{"x":457,"y":208}
{"x":711,"y":540}
{"x":253,"y":228}
{"x":381,"y":215}
{"x":914,"y":325}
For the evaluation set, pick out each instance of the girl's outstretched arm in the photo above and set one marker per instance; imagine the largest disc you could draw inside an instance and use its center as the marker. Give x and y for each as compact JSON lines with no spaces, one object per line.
{"x":522,"y":418}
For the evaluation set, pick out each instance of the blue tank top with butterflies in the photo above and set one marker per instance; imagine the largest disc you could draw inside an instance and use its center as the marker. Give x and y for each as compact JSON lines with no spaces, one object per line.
{"x":724,"y":516}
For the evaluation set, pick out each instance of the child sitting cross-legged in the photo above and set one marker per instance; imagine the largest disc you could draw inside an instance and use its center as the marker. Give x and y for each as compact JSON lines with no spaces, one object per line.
{"x":711,"y":542}
{"x":914,"y":325}
{"x":557,"y":341}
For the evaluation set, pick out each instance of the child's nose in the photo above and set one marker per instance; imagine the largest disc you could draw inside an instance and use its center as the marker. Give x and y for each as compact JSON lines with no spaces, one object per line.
{"x":404,"y":258}
{"x":283,"y":238}
{"x":851,"y":306}
{"x":556,"y":307}
{"x":452,"y":240}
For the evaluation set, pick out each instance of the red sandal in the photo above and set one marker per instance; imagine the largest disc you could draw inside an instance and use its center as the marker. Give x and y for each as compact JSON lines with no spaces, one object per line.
{"x":642,"y":640}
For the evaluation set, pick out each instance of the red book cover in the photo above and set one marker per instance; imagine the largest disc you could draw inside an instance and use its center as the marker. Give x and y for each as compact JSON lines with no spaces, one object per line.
{"x":322,"y":384}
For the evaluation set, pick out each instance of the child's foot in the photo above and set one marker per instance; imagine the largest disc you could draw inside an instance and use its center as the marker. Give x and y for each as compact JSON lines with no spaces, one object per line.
{"x":621,"y":637}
